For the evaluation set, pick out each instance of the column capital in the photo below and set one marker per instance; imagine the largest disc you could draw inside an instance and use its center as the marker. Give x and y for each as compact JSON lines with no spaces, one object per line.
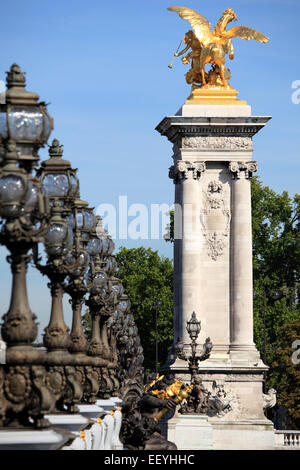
{"x":236,"y":168}
{"x":183,"y":170}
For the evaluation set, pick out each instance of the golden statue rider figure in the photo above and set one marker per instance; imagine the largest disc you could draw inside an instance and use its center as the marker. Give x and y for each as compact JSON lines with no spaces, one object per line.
{"x":210,"y":47}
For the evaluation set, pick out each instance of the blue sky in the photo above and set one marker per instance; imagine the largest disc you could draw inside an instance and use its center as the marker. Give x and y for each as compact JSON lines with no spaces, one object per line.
{"x":103,"y":67}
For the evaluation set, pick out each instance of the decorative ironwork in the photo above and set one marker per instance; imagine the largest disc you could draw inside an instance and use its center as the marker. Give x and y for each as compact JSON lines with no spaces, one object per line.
{"x":71,"y":368}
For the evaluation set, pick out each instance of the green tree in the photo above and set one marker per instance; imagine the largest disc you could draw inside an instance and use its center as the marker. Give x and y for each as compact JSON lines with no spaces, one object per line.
{"x":285,"y":370}
{"x":146,"y":277}
{"x":276,"y":273}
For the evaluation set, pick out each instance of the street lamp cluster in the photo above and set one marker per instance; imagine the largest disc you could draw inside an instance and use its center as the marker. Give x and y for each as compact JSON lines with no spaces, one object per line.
{"x":45,"y":208}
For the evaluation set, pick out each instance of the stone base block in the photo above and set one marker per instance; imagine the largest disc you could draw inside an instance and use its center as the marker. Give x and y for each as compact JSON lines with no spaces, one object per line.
{"x":71,"y":423}
{"x":117,"y":401}
{"x":106,"y":405}
{"x":190,"y":432}
{"x":48,"y":439}
{"x":243,"y":435}
{"x":90,"y":411}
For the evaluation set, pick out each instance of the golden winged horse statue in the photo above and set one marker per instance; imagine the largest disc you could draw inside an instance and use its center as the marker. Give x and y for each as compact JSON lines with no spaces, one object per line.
{"x":211,"y":46}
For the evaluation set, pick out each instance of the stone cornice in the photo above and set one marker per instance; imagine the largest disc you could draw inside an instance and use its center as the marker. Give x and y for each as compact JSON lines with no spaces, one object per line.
{"x":174,"y":127}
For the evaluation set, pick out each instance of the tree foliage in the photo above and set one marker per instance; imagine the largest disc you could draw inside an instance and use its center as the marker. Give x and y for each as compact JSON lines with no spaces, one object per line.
{"x":285,"y":370}
{"x":276,"y":273}
{"x":147,"y":277}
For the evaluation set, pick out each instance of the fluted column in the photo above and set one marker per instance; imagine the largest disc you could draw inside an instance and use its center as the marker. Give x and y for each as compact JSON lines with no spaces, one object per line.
{"x":241,"y":259}
{"x":186,"y":177}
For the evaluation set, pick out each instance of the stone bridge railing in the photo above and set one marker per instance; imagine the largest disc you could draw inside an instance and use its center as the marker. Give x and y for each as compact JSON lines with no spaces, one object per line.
{"x":102,"y":435}
{"x":287,"y":439}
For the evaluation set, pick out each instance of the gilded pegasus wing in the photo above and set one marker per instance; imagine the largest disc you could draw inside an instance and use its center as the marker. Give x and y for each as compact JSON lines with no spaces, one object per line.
{"x":244,"y":32}
{"x":199,"y":23}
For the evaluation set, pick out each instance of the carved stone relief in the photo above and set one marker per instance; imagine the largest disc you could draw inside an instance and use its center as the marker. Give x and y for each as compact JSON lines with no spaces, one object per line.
{"x":215,"y":218}
{"x":217,"y":143}
{"x":221,"y":401}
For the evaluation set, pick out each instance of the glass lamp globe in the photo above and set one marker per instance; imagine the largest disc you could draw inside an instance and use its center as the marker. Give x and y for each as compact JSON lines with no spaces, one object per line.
{"x":122,"y":306}
{"x":111,"y":264}
{"x":32,"y":197}
{"x":70,"y":239}
{"x":58,"y":179}
{"x":193,"y":327}
{"x":94,"y":246}
{"x":107,"y":244}
{"x":99,"y":281}
{"x":111,"y":246}
{"x":84,"y":219}
{"x":23,"y":118}
{"x":88,"y":223}
{"x":117,"y":287}
{"x":57,"y":235}
{"x":13,"y":184}
{"x":55,"y":238}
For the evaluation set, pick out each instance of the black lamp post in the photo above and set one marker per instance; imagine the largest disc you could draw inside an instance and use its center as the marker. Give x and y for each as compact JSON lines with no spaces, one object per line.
{"x":193,"y":328}
{"x":156,"y":305}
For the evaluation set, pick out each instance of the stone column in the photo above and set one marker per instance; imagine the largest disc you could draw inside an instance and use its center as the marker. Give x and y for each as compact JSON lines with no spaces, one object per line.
{"x":177,"y":253}
{"x":241,"y":260}
{"x":186,"y":177}
{"x":213,"y":271}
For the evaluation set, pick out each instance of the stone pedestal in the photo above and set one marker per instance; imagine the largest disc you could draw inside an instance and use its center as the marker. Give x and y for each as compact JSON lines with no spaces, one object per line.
{"x":243,"y":435}
{"x":68,"y":422}
{"x":48,"y":439}
{"x":106,"y":405}
{"x":190,"y":432}
{"x":91,"y":411}
{"x":212,"y":168}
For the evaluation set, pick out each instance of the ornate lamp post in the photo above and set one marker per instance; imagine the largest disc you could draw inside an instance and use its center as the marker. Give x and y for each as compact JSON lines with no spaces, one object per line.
{"x":58,"y":178}
{"x":66,"y":257}
{"x":130,"y":351}
{"x":25,"y":222}
{"x":193,"y":328}
{"x":156,"y":305}
{"x":111,"y":292}
{"x":102,"y":302}
{"x":97,"y":303}
{"x":25,"y":126}
{"x":77,"y":287}
{"x":21,"y":207}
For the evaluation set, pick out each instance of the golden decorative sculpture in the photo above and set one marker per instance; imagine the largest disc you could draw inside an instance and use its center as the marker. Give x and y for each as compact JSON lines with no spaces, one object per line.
{"x":178,"y":391}
{"x":206,"y":46}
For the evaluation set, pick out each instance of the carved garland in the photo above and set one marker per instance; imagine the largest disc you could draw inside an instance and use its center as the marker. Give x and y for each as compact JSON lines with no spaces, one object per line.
{"x":213,"y":202}
{"x":217,"y":143}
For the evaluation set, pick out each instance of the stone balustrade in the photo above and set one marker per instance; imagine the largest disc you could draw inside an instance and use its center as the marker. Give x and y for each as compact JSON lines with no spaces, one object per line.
{"x":287,"y":439}
{"x":94,"y":428}
{"x":103,"y":434}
